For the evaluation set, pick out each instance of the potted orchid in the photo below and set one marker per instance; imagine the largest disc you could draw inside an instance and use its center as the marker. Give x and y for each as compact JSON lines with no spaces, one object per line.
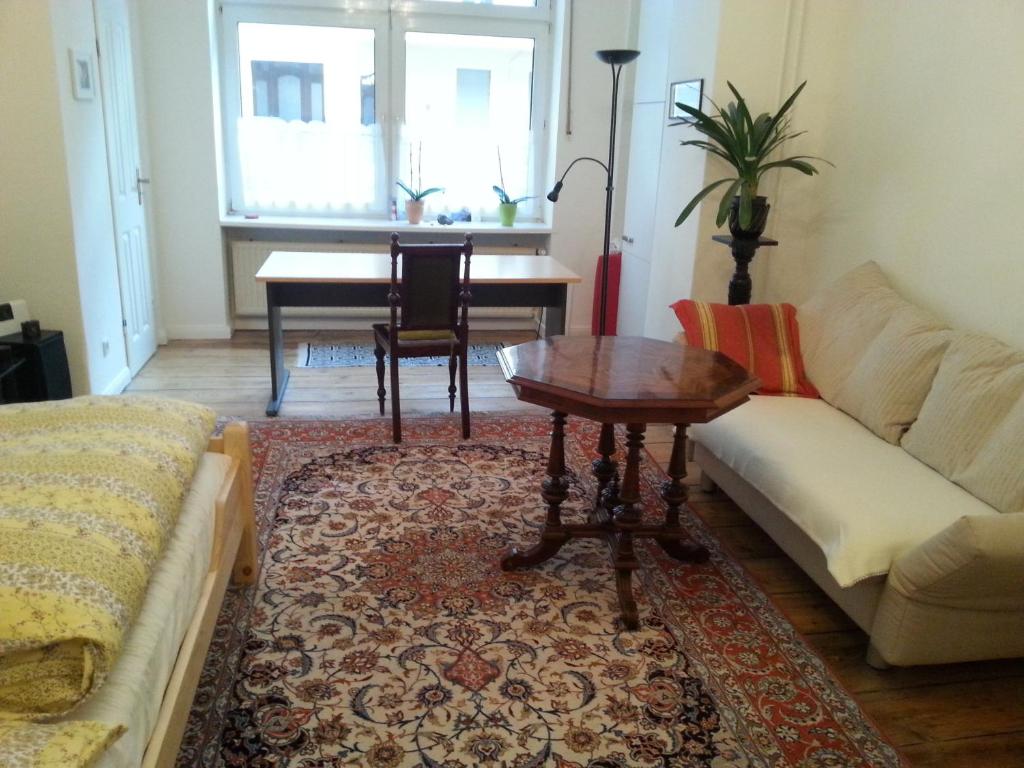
{"x":414,"y":205}
{"x":507,"y":206}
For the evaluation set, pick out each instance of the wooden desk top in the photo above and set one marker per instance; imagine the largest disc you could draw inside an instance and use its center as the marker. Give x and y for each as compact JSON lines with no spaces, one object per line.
{"x":622,"y":378}
{"x":314,"y":267}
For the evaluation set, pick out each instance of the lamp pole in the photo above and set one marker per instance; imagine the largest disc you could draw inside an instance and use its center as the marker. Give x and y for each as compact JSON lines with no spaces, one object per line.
{"x":616,"y":58}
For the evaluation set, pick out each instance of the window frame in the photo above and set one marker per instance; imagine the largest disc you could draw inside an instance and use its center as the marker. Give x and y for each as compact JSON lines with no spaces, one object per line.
{"x":390,"y":20}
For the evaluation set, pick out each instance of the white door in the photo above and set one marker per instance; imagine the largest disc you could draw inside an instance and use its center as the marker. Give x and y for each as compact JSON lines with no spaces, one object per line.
{"x":638,"y":223}
{"x":127,"y":180}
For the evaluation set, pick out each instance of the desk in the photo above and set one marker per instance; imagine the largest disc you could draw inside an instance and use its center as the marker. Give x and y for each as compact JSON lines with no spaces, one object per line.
{"x":307,"y":279}
{"x":620,"y":380}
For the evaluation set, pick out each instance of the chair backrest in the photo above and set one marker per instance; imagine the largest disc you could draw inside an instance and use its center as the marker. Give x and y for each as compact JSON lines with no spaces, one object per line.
{"x":431,"y":293}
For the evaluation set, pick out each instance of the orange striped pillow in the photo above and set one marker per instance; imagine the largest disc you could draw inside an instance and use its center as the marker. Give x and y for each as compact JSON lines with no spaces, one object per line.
{"x":763,"y":338}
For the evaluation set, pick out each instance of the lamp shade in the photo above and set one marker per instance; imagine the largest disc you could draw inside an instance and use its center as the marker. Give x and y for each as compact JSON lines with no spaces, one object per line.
{"x":617,"y":55}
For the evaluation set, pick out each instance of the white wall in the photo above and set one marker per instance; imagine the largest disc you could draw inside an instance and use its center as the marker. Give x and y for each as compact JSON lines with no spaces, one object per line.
{"x":918,"y":105}
{"x":185,"y":166}
{"x":56,"y":237}
{"x":921,"y":111}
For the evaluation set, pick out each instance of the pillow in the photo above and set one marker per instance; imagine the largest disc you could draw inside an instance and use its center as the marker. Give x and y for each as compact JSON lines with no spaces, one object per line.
{"x":971,"y":425}
{"x":886,"y":388}
{"x":763,"y":338}
{"x":839,"y":322}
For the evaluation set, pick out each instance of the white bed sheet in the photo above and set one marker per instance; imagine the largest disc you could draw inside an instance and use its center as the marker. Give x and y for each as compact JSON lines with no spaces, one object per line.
{"x":133,"y":692}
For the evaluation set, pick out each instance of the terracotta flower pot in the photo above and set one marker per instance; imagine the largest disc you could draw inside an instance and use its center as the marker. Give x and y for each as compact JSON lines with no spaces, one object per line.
{"x":414,"y":211}
{"x":507,"y":213}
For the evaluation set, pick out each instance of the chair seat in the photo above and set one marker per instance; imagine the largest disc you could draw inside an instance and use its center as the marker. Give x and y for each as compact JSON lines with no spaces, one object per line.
{"x":417,"y":342}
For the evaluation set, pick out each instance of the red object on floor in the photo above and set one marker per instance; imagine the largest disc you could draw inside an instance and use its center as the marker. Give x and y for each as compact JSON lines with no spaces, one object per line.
{"x":612,"y":314}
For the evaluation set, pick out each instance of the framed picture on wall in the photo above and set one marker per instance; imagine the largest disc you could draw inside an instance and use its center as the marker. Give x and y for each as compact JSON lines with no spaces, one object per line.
{"x":83,"y":74}
{"x":688,"y":92}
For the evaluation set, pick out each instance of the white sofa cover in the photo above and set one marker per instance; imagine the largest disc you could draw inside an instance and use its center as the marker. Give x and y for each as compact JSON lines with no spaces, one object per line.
{"x":879,"y":496}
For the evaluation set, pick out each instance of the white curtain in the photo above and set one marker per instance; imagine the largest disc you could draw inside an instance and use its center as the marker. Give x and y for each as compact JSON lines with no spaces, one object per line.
{"x":315,"y":168}
{"x":465,"y":163}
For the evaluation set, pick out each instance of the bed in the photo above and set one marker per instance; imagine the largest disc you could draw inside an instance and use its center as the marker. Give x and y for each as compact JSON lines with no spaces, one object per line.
{"x":148,"y":691}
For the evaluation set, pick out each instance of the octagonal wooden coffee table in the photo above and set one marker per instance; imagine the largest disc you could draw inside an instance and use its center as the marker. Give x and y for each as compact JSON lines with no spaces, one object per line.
{"x":620,"y":380}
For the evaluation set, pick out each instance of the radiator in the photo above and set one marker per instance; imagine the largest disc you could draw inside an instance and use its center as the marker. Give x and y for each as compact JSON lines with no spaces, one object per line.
{"x":250,"y":297}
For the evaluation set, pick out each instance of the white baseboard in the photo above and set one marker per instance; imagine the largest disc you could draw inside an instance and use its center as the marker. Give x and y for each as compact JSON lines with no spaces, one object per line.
{"x":212,"y":331}
{"x":579,"y":330}
{"x":118,"y":383}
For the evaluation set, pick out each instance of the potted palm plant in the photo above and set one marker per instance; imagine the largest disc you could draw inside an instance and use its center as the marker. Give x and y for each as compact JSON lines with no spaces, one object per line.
{"x":745,"y":143}
{"x":507,"y":206}
{"x":414,"y":205}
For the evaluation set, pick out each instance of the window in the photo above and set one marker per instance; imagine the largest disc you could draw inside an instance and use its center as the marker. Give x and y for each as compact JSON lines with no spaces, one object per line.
{"x":325,"y":109}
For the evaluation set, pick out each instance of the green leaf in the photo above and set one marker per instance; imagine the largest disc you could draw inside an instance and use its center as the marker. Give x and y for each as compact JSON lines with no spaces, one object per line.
{"x":502,"y":194}
{"x":700,"y":196}
{"x":430,"y":191}
{"x":520,"y":199}
{"x":787,"y":104}
{"x":746,"y":206}
{"x":409,"y":192}
{"x":723,"y":206}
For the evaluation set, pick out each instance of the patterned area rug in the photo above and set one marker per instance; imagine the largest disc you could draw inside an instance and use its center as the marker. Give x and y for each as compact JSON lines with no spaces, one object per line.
{"x":354,"y":355}
{"x":382,"y":632}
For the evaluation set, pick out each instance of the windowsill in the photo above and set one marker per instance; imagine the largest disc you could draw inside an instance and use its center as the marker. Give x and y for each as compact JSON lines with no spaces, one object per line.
{"x":239,"y":221}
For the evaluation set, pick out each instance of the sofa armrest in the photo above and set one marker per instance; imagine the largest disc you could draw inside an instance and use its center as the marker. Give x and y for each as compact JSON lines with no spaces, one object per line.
{"x":976,"y":563}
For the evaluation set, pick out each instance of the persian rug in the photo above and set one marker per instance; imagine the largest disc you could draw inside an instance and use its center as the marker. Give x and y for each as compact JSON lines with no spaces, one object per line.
{"x":355,"y":355}
{"x":383,"y":633}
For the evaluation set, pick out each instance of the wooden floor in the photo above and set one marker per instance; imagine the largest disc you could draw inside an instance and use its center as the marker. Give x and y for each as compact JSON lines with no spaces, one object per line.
{"x":942,"y":716}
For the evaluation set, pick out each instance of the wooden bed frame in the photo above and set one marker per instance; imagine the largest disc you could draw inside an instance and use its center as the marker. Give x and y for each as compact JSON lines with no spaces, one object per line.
{"x":235,"y":555}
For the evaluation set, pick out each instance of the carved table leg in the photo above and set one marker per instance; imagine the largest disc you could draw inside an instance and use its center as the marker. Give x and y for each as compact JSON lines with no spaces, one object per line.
{"x":554,"y":490}
{"x":627,"y":519}
{"x":605,"y":470}
{"x":675,"y":493}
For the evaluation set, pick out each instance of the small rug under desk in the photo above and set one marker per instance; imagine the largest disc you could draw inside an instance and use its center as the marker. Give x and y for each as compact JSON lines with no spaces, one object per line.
{"x":357,"y":355}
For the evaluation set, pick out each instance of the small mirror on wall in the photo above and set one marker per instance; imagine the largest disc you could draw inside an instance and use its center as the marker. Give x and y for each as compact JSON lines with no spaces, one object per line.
{"x":83,"y":75}
{"x":688,"y":92}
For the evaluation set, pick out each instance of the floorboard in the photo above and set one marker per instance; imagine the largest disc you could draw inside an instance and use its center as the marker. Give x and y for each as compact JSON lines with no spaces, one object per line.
{"x":941,"y":716}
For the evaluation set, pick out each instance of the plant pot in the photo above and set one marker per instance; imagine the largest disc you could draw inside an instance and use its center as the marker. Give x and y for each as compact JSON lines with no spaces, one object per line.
{"x":507,"y":213}
{"x":414,"y":211}
{"x":758,"y":218}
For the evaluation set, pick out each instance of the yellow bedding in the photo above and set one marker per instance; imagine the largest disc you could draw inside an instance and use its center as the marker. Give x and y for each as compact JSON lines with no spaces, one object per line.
{"x":57,"y":745}
{"x":90,"y":489}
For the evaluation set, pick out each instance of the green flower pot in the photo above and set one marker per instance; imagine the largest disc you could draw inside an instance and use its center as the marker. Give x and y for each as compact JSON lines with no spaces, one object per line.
{"x":507,"y":213}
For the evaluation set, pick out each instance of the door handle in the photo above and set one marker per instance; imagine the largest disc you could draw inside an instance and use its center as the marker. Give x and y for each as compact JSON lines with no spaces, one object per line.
{"x":139,"y":181}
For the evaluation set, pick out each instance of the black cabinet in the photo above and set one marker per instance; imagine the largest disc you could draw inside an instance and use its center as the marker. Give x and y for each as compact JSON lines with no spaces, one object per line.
{"x":43,"y":373}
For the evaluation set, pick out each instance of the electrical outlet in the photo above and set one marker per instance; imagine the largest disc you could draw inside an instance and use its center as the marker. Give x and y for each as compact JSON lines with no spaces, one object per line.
{"x":106,"y":347}
{"x":6,"y":312}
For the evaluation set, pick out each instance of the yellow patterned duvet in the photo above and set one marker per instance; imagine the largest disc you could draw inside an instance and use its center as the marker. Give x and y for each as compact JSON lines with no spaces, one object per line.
{"x":90,"y":489}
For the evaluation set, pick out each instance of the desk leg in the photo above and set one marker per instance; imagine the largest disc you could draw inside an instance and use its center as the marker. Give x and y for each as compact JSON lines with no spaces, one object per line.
{"x":278,"y":372}
{"x":554,"y":316}
{"x":674,"y":492}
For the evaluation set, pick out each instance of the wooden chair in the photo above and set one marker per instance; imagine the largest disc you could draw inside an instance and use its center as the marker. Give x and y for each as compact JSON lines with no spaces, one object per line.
{"x":433,"y":321}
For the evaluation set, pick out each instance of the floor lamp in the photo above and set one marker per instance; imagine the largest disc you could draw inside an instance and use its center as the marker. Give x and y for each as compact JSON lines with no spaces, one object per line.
{"x":616,"y":58}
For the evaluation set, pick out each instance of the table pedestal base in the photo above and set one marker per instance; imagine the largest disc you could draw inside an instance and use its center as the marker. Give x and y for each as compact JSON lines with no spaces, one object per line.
{"x":616,"y":516}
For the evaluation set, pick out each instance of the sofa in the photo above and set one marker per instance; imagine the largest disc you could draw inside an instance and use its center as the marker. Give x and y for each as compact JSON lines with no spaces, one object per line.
{"x":901,"y":490}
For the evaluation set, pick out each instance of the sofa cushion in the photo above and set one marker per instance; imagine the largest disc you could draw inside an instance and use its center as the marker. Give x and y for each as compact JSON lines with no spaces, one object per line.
{"x":971,"y":425}
{"x":862,"y":500}
{"x":886,"y":387}
{"x":839,"y":322}
{"x":763,"y":338}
